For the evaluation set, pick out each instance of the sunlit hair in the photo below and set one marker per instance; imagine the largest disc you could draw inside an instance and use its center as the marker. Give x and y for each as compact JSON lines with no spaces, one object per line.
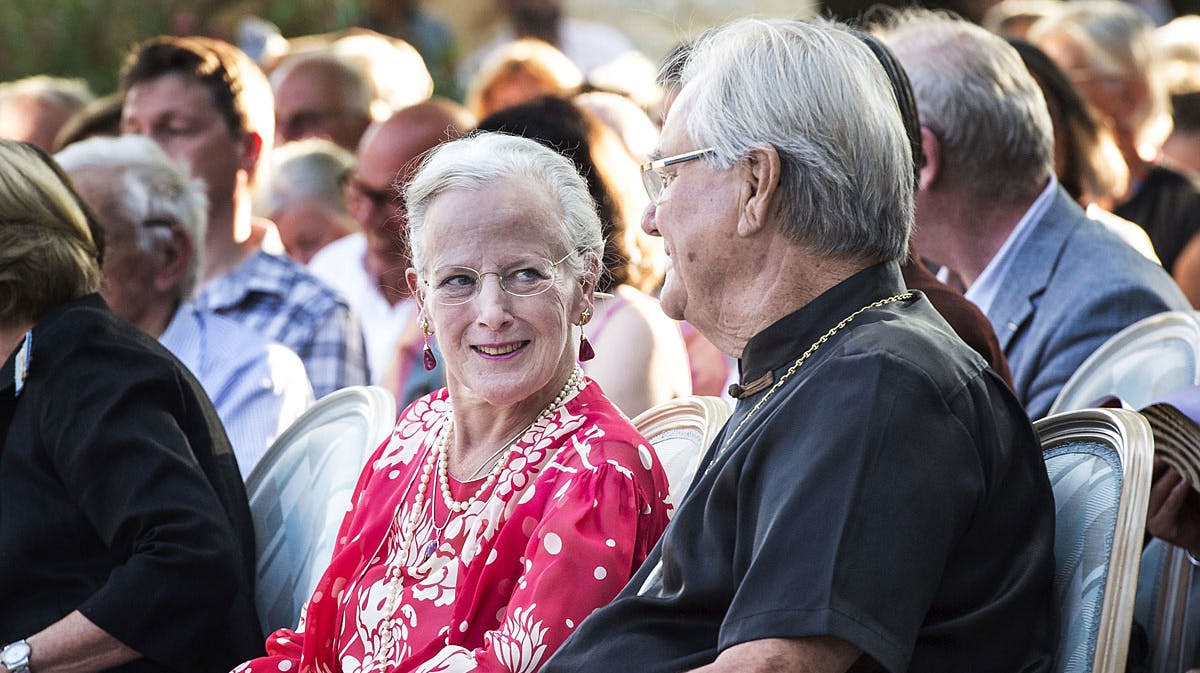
{"x":482,"y":159}
{"x":974,"y":93}
{"x":817,"y":95}
{"x":145,"y":185}
{"x":1178,"y":45}
{"x":239,"y":89}
{"x":1118,"y":40}
{"x":1012,"y":18}
{"x":50,"y":246}
{"x":549,"y":66}
{"x":69,"y":94}
{"x":355,"y":90}
{"x":313,"y":168}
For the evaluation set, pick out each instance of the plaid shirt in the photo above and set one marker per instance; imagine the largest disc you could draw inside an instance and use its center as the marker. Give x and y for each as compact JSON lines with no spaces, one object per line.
{"x":284,"y":303}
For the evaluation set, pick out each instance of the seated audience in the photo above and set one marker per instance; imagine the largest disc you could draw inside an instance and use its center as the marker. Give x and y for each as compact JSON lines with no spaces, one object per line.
{"x":637,"y":354}
{"x":303,"y":193}
{"x":319,"y":95}
{"x":368,"y":268}
{"x":991,"y":212}
{"x":35,"y":108}
{"x":152,"y":215}
{"x":125,"y":540}
{"x":209,"y":107}
{"x":508,"y":506}
{"x":863,"y":424}
{"x":1105,"y":48}
{"x":518,"y":72}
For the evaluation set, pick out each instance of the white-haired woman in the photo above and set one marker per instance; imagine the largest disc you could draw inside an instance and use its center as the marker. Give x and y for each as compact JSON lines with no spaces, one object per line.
{"x":509,"y":505}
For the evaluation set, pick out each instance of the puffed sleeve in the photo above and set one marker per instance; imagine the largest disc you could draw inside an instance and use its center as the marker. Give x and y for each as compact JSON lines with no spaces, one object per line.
{"x":593,"y":535}
{"x":118,"y":446}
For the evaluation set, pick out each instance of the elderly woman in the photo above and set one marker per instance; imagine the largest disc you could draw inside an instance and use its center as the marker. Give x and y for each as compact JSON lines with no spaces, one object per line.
{"x":509,"y":505}
{"x":125,"y":538}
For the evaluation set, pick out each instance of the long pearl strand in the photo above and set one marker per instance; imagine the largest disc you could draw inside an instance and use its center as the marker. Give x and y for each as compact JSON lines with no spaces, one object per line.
{"x":438,"y":458}
{"x":574,"y":383}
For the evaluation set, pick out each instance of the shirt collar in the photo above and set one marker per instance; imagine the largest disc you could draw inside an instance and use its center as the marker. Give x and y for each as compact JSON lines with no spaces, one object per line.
{"x":985,"y":288}
{"x":783,"y":341}
{"x":261,"y":273}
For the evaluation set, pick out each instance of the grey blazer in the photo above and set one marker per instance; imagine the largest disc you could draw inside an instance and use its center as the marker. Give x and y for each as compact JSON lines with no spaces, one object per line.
{"x":1072,"y":285}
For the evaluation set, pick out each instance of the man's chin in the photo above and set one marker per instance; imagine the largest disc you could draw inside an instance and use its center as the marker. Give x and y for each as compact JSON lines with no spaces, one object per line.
{"x":673,"y":301}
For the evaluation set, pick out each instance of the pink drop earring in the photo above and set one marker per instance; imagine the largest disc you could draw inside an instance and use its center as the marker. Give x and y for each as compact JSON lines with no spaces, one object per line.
{"x":586,"y":352}
{"x":427,"y":357}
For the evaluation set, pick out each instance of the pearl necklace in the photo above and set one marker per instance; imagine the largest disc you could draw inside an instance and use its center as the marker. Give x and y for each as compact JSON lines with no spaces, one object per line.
{"x":573,"y":384}
{"x":438,"y":458}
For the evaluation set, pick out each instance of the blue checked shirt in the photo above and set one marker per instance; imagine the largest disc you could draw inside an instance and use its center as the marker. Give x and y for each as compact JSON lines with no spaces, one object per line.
{"x":284,"y":303}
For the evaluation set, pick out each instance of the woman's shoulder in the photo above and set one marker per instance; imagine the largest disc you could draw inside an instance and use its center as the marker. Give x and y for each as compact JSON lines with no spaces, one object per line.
{"x":601,"y":433}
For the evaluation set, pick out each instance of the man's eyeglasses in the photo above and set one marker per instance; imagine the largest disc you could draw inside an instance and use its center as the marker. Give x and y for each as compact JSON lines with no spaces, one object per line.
{"x":454,"y":285}
{"x":654,"y":180}
{"x":357,"y":192}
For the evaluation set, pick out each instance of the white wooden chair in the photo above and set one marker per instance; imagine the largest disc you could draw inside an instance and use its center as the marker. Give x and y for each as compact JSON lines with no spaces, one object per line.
{"x":299,"y":492}
{"x":680,"y":432}
{"x":1099,"y":462}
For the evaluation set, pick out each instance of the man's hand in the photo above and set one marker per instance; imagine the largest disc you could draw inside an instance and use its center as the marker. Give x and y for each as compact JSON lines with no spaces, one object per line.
{"x":1174,"y":511}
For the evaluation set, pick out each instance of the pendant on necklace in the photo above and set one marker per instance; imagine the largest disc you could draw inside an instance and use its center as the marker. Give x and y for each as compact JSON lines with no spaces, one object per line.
{"x":428,"y":550}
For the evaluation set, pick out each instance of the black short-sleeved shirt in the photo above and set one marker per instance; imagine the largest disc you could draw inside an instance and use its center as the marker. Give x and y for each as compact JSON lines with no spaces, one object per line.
{"x":1167,"y":206}
{"x":120,"y":498}
{"x":891,"y":494}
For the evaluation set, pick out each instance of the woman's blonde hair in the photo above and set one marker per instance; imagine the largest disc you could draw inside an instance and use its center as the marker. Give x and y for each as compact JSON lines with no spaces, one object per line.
{"x":50,"y":246}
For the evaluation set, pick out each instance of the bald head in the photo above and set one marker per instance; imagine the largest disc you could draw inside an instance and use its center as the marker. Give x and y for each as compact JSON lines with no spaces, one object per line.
{"x":321,"y":96}
{"x":388,"y":156}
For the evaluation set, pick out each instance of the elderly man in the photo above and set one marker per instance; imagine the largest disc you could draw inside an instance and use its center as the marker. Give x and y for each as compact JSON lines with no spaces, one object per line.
{"x":321,"y":95}
{"x":152,"y":215}
{"x":1054,"y":284}
{"x":877,"y":501}
{"x":209,"y":107}
{"x":368,"y":268}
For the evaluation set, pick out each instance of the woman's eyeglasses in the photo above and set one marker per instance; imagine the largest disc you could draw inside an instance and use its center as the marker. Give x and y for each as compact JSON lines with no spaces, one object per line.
{"x":454,"y":285}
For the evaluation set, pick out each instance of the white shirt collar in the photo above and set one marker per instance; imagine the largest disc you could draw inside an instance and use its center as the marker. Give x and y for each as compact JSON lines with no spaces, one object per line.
{"x":985,"y":288}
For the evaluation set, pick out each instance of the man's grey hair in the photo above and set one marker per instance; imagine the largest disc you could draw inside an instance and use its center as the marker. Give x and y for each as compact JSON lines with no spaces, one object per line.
{"x":484,"y":158}
{"x":70,"y":94}
{"x":313,"y":168}
{"x":1119,"y":41}
{"x":816,"y":94}
{"x":975,"y":94}
{"x":147,"y":186}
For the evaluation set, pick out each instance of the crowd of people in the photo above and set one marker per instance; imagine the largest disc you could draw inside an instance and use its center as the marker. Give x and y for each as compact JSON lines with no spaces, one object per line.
{"x":887,"y":245}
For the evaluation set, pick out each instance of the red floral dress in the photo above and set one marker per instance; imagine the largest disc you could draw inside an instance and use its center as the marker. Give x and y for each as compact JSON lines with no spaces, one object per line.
{"x":579,"y":505}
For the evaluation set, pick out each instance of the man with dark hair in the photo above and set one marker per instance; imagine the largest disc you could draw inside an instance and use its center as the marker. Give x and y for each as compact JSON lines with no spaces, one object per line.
{"x":209,"y":106}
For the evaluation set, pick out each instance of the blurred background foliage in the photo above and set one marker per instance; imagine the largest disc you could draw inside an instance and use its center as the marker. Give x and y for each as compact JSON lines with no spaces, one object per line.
{"x":88,"y":38}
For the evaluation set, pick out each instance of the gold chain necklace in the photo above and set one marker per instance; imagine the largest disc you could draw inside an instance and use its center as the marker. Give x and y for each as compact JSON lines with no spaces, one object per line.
{"x":800,"y":361}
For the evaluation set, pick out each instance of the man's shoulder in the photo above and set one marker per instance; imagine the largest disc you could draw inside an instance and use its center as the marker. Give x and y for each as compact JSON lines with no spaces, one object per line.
{"x":1096,"y":262}
{"x":280,"y":280}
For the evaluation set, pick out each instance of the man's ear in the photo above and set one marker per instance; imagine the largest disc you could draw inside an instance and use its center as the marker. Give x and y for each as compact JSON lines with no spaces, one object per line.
{"x":763,"y":172}
{"x":175,"y":255}
{"x":931,"y":146}
{"x":252,"y":149}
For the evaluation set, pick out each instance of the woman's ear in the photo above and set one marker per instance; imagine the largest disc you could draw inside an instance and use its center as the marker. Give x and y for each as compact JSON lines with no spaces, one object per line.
{"x":763,"y":171}
{"x":414,"y":287}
